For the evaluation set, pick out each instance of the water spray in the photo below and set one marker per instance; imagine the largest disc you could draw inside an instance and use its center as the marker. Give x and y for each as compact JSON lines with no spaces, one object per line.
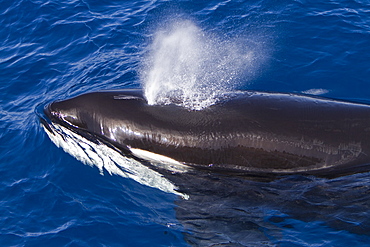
{"x":192,"y":68}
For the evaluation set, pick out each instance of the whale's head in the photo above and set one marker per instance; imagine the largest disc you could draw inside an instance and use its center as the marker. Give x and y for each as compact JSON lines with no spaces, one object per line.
{"x":92,"y":111}
{"x":100,"y":129}
{"x":120,"y":118}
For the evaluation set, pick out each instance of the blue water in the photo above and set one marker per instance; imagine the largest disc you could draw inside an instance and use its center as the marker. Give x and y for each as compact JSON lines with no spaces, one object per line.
{"x":57,"y":49}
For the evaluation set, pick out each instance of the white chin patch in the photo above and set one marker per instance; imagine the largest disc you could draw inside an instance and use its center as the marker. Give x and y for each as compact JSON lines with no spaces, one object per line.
{"x":106,"y":158}
{"x":160,"y":161}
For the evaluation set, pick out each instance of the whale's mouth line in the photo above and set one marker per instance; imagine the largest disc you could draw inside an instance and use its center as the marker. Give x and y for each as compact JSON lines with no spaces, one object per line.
{"x":50,"y":125}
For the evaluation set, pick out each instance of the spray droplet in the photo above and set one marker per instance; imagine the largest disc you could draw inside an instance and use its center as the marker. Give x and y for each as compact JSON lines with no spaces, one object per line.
{"x":192,"y":68}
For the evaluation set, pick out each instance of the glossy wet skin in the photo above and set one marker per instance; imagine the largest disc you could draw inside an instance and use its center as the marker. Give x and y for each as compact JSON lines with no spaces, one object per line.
{"x":249,"y":133}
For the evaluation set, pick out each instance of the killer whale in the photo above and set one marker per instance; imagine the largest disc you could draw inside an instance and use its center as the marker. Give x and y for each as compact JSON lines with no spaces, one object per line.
{"x":243,"y":133}
{"x":226,"y":205}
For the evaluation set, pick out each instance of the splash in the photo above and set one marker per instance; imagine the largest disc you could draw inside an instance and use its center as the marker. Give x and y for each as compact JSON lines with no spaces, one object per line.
{"x":192,"y":68}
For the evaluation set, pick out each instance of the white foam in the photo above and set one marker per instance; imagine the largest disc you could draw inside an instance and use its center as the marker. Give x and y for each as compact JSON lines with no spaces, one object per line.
{"x":106,"y":158}
{"x":316,"y":91}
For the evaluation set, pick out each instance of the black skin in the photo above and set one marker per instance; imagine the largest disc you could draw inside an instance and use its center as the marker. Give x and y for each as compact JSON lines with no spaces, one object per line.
{"x":250,"y":132}
{"x":231,"y":205}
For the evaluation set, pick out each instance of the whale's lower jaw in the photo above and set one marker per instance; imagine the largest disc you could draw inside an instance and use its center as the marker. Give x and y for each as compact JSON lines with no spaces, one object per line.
{"x":97,"y":153}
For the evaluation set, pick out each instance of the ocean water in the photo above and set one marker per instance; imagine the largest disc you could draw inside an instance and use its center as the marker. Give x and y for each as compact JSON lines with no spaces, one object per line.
{"x":53,"y":50}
